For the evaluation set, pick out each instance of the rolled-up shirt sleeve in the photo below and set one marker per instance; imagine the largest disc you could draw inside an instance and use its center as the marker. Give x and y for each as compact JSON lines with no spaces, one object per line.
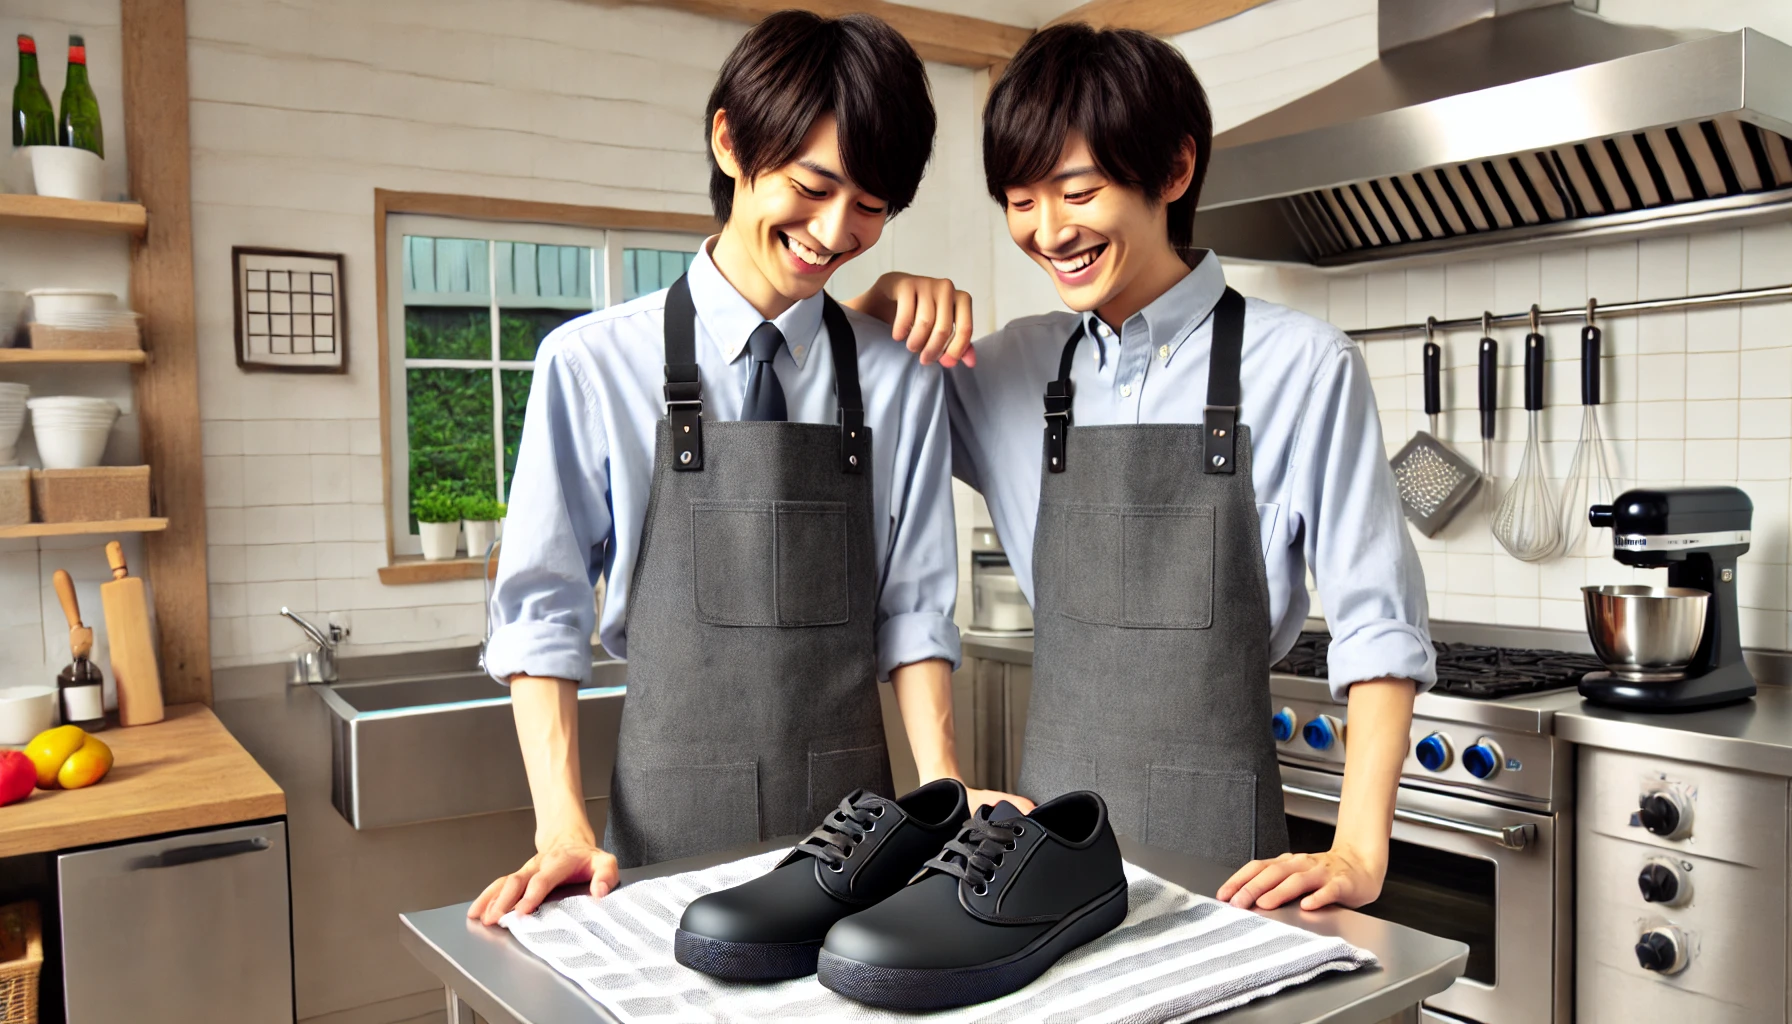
{"x":559,"y":521}
{"x":919,"y":590}
{"x":1363,"y":560}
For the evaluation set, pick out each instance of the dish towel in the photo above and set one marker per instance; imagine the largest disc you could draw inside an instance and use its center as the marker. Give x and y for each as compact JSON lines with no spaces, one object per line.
{"x":1177,"y":956}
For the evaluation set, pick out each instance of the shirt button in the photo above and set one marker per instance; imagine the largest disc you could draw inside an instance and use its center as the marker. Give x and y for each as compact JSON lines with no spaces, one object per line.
{"x":1126,"y":391}
{"x":1163,"y":352}
{"x":1104,"y":331}
{"x":797,"y":352}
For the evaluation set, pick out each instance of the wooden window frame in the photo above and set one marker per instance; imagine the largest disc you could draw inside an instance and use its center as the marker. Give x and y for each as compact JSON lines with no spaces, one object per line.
{"x":404,"y":569}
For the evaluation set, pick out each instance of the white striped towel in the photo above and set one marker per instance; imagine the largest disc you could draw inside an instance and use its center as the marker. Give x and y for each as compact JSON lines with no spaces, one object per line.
{"x":1177,"y":956}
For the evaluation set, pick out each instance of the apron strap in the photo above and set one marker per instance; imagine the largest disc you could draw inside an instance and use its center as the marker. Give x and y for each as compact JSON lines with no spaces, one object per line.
{"x":1221,"y":418}
{"x":1225,"y":353}
{"x":684,"y":385}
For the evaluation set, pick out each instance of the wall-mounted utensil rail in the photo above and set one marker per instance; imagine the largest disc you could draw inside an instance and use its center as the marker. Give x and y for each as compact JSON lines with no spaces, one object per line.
{"x":1481,"y":321}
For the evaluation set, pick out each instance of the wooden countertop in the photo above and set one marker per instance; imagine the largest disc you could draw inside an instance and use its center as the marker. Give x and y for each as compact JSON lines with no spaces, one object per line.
{"x":183,"y":772}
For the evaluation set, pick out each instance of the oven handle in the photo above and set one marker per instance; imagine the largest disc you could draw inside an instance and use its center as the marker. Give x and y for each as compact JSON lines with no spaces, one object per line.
{"x":1511,"y":837}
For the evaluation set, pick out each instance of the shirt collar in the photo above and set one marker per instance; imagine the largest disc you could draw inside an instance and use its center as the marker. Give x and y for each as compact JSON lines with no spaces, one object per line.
{"x":1172,"y":317}
{"x":729,"y":319}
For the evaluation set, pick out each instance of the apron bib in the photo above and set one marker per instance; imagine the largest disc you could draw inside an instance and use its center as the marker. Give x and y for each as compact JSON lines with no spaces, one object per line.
{"x":752,"y":703}
{"x":1151,"y":663}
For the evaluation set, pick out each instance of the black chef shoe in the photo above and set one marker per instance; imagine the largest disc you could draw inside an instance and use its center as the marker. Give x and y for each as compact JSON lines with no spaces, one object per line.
{"x":997,"y":907}
{"x":771,"y":927}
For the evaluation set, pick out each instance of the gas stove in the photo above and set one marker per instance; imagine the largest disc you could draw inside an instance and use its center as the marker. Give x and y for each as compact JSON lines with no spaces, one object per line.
{"x":1467,"y":670}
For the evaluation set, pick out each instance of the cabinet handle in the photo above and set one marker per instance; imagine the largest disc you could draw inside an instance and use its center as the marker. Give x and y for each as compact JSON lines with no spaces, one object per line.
{"x":206,"y":851}
{"x":1511,"y":837}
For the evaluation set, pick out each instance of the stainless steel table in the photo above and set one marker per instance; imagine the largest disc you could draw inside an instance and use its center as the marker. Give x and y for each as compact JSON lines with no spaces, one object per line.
{"x":484,"y":970}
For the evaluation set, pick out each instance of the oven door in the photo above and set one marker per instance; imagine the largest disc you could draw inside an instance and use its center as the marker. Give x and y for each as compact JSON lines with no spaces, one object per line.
{"x":1484,"y":875}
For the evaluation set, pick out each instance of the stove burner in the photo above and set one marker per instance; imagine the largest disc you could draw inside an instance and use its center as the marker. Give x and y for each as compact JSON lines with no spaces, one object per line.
{"x":1467,"y":670}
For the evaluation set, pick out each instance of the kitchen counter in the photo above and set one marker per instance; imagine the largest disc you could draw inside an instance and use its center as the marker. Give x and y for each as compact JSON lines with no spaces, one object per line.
{"x":1753,"y":736}
{"x":183,"y":772}
{"x":486,"y":971}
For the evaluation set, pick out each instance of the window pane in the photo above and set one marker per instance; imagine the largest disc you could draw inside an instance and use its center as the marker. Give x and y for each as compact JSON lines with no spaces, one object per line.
{"x":450,"y":431}
{"x":645,"y":271}
{"x":446,"y":271}
{"x":447,"y":332}
{"x":520,"y":331}
{"x":544,"y":276}
{"x":516,"y":399}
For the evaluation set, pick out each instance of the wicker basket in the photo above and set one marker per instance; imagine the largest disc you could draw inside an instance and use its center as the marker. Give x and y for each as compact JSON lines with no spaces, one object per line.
{"x":18,"y":977}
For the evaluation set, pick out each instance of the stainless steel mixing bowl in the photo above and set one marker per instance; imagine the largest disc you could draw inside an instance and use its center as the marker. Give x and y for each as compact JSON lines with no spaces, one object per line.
{"x":1646,"y":634}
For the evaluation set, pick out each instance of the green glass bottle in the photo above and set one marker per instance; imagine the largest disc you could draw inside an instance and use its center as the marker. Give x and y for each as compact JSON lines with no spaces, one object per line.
{"x":33,"y":119}
{"x":80,"y":124}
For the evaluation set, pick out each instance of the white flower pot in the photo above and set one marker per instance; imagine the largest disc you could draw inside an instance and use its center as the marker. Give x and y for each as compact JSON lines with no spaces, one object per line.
{"x":440,"y":540}
{"x":480,"y":534}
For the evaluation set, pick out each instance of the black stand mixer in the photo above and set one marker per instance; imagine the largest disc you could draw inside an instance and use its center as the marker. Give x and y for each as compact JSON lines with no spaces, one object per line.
{"x":1675,"y":648}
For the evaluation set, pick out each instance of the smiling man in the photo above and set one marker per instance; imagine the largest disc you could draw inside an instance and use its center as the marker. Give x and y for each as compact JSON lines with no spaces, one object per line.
{"x":762,"y":478}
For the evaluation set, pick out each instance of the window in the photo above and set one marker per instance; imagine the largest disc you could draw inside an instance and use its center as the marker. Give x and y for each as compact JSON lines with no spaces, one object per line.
{"x":472,"y":301}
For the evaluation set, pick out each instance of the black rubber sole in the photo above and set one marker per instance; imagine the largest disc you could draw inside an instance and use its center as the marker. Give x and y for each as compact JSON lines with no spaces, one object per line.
{"x":745,"y":961}
{"x":942,"y":988}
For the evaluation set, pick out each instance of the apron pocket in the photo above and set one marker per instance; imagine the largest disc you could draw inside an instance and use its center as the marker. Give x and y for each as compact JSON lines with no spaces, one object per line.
{"x":1202,"y":813}
{"x":1050,"y":769}
{"x":682,"y":810}
{"x":1139,"y":566}
{"x":835,"y":773}
{"x":770,"y":563}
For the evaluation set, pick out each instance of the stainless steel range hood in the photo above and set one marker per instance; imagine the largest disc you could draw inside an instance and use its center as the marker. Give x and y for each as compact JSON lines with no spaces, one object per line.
{"x":1489,"y":122}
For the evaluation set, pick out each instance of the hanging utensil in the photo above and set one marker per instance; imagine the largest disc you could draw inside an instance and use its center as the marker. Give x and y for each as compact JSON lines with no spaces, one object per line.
{"x":1527,"y":523}
{"x":1433,"y":480}
{"x":1590,"y":478}
{"x":1490,"y":407}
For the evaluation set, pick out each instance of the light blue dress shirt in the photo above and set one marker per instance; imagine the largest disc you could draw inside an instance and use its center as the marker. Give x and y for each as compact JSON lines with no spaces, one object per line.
{"x":1325,"y":495}
{"x":584,"y":471}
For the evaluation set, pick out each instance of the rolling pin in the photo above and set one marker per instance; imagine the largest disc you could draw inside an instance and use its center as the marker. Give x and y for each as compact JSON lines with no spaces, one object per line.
{"x":133,"y":649}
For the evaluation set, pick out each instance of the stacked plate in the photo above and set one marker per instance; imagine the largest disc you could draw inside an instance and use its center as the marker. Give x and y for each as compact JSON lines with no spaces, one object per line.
{"x":12,"y":420}
{"x":71,"y":431}
{"x":78,"y":309}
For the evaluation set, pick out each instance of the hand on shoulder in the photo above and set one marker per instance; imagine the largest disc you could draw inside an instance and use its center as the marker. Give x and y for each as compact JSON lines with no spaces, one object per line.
{"x":928,"y":314}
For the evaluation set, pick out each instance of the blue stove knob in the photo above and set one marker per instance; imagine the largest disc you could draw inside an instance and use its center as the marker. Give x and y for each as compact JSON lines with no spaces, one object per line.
{"x":1483,"y":760}
{"x":1281,"y":725}
{"x":1434,"y":752}
{"x":1320,"y":732}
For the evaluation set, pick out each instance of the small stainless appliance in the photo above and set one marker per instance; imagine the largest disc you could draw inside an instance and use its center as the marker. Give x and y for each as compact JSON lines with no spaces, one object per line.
{"x":998,"y":607}
{"x":1677,"y":647}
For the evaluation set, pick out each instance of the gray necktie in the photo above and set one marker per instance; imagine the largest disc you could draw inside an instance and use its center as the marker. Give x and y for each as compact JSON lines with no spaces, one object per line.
{"x":765,"y":396}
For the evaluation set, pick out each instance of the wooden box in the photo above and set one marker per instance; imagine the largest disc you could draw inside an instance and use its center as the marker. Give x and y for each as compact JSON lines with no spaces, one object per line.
{"x":15,"y":495}
{"x":90,"y":495}
{"x":121,"y":339}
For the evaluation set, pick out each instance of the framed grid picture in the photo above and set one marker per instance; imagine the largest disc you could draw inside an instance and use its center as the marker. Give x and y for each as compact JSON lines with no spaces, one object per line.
{"x":290,"y":312}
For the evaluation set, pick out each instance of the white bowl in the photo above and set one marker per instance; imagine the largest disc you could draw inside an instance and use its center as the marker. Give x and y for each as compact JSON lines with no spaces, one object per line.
{"x":25,"y":711}
{"x":66,"y":172}
{"x":70,"y":447}
{"x":12,"y":311}
{"x":83,"y":403}
{"x":54,"y":305}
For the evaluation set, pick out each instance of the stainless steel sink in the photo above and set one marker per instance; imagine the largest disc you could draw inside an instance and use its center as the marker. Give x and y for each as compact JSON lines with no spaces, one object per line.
{"x":428,"y":747}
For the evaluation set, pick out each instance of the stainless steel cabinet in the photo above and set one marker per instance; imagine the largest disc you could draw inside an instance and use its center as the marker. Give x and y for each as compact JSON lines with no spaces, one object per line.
{"x":184,"y":930}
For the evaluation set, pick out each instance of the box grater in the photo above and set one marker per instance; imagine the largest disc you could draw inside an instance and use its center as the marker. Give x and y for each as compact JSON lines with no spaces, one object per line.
{"x":1434,"y":482}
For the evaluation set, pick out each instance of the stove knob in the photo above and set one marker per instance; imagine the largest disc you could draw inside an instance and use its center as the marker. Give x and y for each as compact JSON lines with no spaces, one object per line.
{"x":1483,"y":760}
{"x":1662,"y":882}
{"x":1321,"y":732}
{"x":1662,"y":950}
{"x":1281,"y":726}
{"x":1434,"y":752}
{"x":1665,"y":815}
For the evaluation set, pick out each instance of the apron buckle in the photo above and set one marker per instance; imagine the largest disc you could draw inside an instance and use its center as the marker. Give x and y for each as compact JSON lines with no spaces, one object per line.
{"x":687,"y":430}
{"x":1220,"y":440}
{"x":855,"y":441}
{"x":1058,"y":402}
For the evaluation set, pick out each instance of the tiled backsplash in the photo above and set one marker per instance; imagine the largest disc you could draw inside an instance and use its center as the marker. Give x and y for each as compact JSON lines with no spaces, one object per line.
{"x":1694,"y":396}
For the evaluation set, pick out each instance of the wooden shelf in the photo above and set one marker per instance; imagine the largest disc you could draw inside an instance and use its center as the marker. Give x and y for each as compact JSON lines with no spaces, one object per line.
{"x":73,"y":215}
{"x":417,"y":570}
{"x":71,"y":355}
{"x":150,"y":525}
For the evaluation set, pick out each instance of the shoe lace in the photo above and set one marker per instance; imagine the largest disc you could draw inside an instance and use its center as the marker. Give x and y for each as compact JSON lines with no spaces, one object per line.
{"x":977,"y":851}
{"x":844,"y":828}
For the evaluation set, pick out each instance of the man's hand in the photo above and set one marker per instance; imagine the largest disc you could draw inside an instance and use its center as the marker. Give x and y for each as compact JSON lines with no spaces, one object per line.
{"x":1340,"y":876}
{"x":563,"y":862}
{"x":927,"y":313}
{"x":976,"y":798}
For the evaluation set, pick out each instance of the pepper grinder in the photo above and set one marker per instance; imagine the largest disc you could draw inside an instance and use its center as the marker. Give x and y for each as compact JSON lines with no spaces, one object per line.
{"x":80,"y":686}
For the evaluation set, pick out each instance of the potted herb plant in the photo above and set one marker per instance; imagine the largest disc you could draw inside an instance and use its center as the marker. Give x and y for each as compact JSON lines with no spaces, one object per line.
{"x":484,"y":519}
{"x":438,"y":523}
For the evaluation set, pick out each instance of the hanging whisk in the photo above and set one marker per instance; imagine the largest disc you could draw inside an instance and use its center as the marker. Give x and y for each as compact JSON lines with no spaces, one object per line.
{"x":1528,"y":522}
{"x":1590,"y":477}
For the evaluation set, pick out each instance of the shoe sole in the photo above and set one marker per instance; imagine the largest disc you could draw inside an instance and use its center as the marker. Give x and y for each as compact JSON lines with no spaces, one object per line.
{"x":941,"y":988}
{"x":745,"y":961}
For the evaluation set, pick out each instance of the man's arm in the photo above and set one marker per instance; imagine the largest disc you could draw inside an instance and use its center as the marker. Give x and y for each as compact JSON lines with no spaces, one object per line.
{"x":924,"y":693}
{"x":927,"y":314}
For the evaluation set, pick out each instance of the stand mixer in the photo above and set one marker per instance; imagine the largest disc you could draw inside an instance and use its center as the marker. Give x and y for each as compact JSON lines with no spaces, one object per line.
{"x":1673,"y":648}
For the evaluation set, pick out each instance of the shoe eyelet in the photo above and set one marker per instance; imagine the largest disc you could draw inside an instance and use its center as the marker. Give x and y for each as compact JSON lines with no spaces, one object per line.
{"x":836,"y":868}
{"x":981,"y":890}
{"x":849,"y":850}
{"x":879,"y":812}
{"x":1020,"y":830}
{"x":1009,"y":845}
{"x":871,"y":828}
{"x":998,"y":861}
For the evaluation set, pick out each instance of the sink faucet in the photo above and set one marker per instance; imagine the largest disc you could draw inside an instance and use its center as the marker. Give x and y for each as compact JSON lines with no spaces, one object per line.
{"x":317,"y":666}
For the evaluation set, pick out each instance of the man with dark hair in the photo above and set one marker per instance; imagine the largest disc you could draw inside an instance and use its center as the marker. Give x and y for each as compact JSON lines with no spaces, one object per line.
{"x":1200,"y":453}
{"x":761,"y":477}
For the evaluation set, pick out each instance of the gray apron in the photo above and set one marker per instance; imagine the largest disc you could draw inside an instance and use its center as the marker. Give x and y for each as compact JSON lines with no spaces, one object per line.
{"x":752,"y":704}
{"x":1151,"y":663}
